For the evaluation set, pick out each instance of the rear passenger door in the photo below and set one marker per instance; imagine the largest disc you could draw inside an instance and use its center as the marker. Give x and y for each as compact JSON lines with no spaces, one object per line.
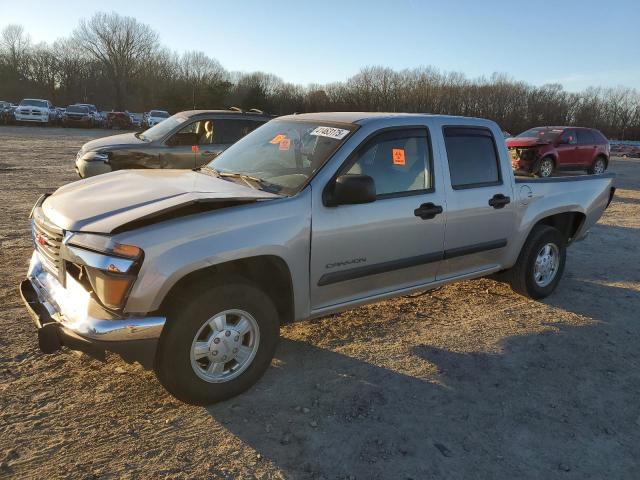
{"x":360,"y":251}
{"x":586,"y":147}
{"x":480,"y":206}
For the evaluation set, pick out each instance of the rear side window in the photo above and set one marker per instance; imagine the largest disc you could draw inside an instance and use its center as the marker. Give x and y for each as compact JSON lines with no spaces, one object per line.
{"x":398,"y":161}
{"x":585,"y":136}
{"x":230,"y":131}
{"x":473,"y":157}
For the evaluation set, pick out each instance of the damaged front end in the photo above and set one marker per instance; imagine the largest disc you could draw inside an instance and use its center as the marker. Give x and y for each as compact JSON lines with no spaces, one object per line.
{"x":523,"y":159}
{"x":76,"y":288}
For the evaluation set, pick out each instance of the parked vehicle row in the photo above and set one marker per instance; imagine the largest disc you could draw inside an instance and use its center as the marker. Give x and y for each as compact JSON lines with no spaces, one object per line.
{"x":192,"y":272}
{"x":539,"y":151}
{"x":41,"y":111}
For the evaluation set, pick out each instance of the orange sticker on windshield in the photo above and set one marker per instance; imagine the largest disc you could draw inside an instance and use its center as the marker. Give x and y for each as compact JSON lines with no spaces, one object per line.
{"x":285,"y":144}
{"x":398,"y":156}
{"x":277,"y":139}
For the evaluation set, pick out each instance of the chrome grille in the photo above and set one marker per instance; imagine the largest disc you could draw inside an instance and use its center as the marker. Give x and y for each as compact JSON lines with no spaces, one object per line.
{"x":48,"y":239}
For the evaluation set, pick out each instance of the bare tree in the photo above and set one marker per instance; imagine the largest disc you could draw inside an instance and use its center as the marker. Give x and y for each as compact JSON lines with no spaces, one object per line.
{"x":121,"y":44}
{"x":15,"y":45}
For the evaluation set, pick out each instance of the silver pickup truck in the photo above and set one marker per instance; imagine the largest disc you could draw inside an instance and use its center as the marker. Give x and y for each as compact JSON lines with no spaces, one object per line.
{"x":192,"y":272}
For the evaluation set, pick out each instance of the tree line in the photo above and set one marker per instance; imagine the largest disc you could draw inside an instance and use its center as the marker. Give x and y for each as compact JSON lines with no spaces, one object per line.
{"x":117,"y":62}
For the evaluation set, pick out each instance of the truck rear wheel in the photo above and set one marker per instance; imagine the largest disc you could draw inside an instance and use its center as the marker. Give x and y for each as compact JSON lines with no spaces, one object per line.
{"x":540,"y":264}
{"x":217,"y":344}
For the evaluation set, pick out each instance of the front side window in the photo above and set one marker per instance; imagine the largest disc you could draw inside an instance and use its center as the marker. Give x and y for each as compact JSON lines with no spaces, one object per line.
{"x":473,"y":157}
{"x":396,"y":160}
{"x":569,"y":137}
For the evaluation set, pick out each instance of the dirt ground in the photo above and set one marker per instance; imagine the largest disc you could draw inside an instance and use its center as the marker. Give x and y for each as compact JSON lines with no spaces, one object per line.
{"x":470,"y":381}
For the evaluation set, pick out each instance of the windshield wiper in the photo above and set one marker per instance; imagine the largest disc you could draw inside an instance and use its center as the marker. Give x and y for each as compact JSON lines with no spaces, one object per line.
{"x":246,"y":178}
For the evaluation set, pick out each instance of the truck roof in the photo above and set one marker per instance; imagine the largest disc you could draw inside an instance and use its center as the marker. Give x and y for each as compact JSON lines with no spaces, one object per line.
{"x":361,"y":117}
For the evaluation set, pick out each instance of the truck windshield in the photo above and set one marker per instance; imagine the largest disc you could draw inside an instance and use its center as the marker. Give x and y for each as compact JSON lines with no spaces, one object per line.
{"x":282,"y":154}
{"x":33,"y":103}
{"x":77,"y":109}
{"x":547,"y":134}
{"x":161,"y":129}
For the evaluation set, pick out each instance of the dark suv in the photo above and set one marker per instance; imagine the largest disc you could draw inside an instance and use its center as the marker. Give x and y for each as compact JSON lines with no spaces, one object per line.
{"x":543,"y":150}
{"x":186,"y":140}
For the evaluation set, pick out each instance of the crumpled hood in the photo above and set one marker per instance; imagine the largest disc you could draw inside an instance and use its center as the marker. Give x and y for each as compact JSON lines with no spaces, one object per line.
{"x":525,"y":142}
{"x":112,"y":142}
{"x":103,"y":203}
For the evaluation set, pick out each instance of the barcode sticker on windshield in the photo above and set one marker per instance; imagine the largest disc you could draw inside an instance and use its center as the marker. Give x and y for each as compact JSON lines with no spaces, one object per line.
{"x":331,"y":132}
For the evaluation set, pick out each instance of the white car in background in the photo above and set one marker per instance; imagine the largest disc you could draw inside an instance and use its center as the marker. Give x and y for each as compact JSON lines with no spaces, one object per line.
{"x":154,"y":117}
{"x":34,"y":110}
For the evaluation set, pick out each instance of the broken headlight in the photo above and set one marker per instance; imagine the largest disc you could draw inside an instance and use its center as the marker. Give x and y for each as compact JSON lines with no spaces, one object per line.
{"x":110,"y":266}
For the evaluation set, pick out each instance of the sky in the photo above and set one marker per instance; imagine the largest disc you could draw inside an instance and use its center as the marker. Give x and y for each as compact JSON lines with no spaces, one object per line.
{"x":575,"y":43}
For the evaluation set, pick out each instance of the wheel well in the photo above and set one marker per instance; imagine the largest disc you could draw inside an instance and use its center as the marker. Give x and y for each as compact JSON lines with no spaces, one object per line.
{"x":604,"y":157}
{"x":268,"y":272}
{"x":567,"y":223}
{"x":552,"y":157}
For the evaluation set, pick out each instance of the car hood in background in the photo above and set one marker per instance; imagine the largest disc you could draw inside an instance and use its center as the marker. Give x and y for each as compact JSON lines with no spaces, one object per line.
{"x":525,"y":142}
{"x":112,"y":142}
{"x":105,"y":203}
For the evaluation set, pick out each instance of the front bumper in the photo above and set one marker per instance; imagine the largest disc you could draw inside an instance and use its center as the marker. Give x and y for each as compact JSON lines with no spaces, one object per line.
{"x":31,"y":118}
{"x":68,"y":316}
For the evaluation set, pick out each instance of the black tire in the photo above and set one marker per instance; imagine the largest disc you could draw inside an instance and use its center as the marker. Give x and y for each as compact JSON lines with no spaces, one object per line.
{"x":544,"y":172}
{"x":173,"y":357}
{"x":521,"y":275}
{"x":593,"y":169}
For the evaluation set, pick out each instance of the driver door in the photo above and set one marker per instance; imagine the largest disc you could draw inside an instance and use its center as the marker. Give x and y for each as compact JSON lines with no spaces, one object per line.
{"x":364,"y":250}
{"x":567,"y":148}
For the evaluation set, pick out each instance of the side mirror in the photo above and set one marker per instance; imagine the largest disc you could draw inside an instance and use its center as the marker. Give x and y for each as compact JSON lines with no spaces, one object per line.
{"x":350,"y":190}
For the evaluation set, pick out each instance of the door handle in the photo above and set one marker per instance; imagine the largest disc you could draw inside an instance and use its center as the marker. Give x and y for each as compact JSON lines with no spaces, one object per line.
{"x":499,"y":200}
{"x":427,"y":211}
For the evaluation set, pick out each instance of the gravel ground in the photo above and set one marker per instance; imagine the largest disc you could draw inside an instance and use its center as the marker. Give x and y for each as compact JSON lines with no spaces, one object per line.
{"x":470,"y":381}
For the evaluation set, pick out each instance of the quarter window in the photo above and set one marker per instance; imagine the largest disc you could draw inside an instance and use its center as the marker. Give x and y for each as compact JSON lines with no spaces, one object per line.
{"x":473,"y":157}
{"x":398,"y":161}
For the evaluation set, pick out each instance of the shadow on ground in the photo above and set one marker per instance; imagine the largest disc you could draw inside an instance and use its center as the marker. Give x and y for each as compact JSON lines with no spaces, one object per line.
{"x":504,"y":415}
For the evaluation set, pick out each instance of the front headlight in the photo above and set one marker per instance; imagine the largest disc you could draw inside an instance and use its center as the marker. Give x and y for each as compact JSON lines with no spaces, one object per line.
{"x":103,"y":244}
{"x":110,"y":266}
{"x":95,"y":156}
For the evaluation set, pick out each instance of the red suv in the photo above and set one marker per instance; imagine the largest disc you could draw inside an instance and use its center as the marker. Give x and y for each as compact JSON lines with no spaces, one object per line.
{"x":542,"y":150}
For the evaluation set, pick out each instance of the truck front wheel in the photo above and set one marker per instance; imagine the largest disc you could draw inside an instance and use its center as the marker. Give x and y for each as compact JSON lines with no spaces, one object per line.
{"x":540,"y":264}
{"x":545,"y":169}
{"x":217,"y":344}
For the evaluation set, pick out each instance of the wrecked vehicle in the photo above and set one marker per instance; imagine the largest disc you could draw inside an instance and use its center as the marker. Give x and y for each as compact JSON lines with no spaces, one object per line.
{"x":185,"y":140}
{"x":192,"y":273}
{"x":545,"y":150}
